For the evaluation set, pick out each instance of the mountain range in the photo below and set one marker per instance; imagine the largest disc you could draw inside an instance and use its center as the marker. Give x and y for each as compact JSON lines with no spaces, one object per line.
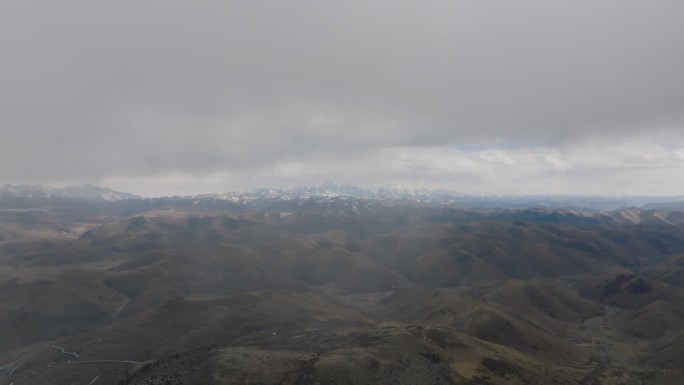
{"x":16,"y":195}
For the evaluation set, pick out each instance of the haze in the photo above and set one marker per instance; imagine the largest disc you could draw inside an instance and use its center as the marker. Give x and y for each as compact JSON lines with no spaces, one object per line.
{"x":170,"y":97}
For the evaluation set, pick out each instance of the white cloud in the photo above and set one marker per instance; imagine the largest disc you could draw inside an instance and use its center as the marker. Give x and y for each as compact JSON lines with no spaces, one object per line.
{"x":622,"y":168}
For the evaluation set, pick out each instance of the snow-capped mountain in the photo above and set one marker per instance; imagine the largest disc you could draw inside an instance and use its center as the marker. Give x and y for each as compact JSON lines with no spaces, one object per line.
{"x":327,"y":194}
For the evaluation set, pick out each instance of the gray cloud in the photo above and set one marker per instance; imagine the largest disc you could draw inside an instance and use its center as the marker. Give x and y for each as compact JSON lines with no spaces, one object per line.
{"x":106,"y":90}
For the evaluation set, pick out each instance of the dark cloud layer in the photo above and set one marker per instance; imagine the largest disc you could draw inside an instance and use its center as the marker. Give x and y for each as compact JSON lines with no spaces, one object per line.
{"x":94,"y":90}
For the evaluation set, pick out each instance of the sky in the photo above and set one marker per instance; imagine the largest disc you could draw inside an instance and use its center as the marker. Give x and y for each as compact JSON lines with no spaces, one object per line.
{"x":164,"y":97}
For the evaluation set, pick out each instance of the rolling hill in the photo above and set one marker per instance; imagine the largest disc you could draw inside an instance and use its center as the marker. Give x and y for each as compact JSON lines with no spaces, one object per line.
{"x":405,"y":294}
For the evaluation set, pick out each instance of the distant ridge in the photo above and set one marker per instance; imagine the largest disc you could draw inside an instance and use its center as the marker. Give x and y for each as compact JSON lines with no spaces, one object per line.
{"x":84,"y":191}
{"x":17,"y":196}
{"x":390,"y":192}
{"x":666,"y":205}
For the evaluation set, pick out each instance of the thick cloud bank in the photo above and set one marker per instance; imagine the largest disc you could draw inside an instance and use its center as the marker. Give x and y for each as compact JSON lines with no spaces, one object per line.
{"x":586,"y":96}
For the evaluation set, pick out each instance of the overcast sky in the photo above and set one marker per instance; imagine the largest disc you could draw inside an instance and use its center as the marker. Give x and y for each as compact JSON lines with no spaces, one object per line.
{"x":179,"y":97}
